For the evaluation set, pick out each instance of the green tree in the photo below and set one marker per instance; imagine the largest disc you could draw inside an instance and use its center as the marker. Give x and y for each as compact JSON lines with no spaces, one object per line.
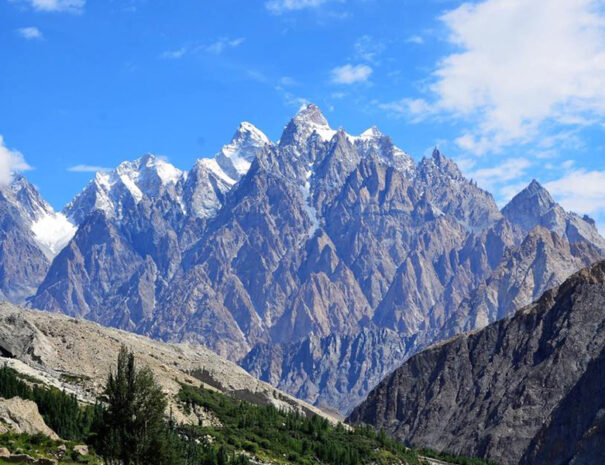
{"x":134,"y":431}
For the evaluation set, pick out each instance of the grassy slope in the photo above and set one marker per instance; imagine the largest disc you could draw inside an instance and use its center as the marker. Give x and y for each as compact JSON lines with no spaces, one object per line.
{"x":247,"y":431}
{"x":277,"y":437}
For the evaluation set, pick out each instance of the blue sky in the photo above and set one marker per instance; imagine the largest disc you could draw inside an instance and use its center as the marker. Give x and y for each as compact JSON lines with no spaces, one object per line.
{"x":511,"y":89}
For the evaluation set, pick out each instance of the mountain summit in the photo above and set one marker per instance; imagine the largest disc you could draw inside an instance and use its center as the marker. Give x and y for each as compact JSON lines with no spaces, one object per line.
{"x":534,"y":206}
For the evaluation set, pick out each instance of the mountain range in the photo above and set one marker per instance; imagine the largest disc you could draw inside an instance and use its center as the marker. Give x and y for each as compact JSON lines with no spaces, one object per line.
{"x":319,"y":262}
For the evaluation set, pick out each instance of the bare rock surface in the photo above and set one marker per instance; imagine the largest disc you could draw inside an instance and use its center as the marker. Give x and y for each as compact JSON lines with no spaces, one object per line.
{"x":22,"y":416}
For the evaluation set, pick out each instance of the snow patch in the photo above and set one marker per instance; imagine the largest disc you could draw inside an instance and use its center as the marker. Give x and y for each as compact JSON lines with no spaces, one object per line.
{"x":236,"y":157}
{"x":53,"y":231}
{"x":169,"y":174}
{"x":213,"y":167}
{"x":132,"y":187}
{"x":308,"y":202}
{"x":325,"y":133}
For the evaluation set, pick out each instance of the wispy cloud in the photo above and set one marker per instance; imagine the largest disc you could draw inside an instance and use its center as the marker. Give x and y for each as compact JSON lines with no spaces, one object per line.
{"x":580,"y":190}
{"x":524,"y":69}
{"x":350,"y":74}
{"x":11,"y":162}
{"x":504,"y":172}
{"x":368,"y":48}
{"x":282,"y":6}
{"x":288,"y":81}
{"x":414,"y":109}
{"x":415,"y":39}
{"x":87,"y":169}
{"x":174,"y":54}
{"x":30,"y":33}
{"x":216,"y":47}
{"x":70,"y":6}
{"x":223,"y":43}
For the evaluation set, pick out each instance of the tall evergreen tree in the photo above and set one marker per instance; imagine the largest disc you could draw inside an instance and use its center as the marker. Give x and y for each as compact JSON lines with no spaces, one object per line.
{"x":134,"y":430}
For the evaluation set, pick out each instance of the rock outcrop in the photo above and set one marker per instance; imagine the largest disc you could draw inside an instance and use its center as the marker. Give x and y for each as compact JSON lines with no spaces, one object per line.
{"x":22,"y":416}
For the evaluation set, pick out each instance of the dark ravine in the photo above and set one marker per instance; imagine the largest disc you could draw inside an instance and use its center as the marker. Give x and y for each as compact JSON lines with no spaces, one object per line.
{"x":525,"y":390}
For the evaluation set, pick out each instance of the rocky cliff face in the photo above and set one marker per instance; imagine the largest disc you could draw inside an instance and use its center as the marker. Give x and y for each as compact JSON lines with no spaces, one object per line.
{"x":510,"y":392}
{"x":542,"y":261}
{"x":317,"y":239}
{"x":335,"y":371}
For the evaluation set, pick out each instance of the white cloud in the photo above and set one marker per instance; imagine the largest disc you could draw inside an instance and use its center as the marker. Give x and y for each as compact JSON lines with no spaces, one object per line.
{"x":30,"y":33}
{"x":523,"y":67}
{"x":581,"y":191}
{"x":288,"y":81}
{"x":412,"y":108}
{"x":71,"y":6}
{"x":504,"y":179}
{"x":509,"y":170}
{"x":217,"y":47}
{"x":415,"y":40}
{"x":223,"y":43}
{"x":87,"y":168}
{"x":282,"y":6}
{"x":367,"y":48}
{"x":351,"y":74}
{"x":11,"y":162}
{"x":174,"y":54}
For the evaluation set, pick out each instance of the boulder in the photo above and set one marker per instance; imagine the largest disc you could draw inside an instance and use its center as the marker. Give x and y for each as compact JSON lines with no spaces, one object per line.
{"x":22,"y":416}
{"x":81,"y":449}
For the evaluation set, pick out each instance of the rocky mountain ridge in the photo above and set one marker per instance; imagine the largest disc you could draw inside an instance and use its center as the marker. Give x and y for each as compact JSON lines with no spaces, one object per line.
{"x":522,"y":390}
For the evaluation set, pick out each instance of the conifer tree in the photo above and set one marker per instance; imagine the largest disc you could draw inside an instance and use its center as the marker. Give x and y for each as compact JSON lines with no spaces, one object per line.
{"x":134,"y":431}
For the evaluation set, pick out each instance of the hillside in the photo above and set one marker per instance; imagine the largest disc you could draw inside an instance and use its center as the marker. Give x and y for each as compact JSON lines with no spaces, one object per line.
{"x":525,"y":390}
{"x":228,"y":430}
{"x":76,"y":356}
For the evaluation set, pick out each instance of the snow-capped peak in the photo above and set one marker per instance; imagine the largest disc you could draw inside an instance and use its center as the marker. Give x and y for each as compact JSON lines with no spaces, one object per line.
{"x":311,"y":114}
{"x":374,"y":141}
{"x":235,"y":158}
{"x":147,"y":176}
{"x":148,"y":173}
{"x":371,"y":133}
{"x":249,"y":131}
{"x":308,"y":121}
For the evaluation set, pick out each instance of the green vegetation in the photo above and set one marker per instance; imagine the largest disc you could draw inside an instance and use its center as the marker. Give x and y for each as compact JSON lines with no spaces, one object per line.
{"x":133,"y":430}
{"x":454,"y":459}
{"x":61,"y":411}
{"x":280,"y":437}
{"x":38,"y":445}
{"x":128,"y":427}
{"x":73,"y":379}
